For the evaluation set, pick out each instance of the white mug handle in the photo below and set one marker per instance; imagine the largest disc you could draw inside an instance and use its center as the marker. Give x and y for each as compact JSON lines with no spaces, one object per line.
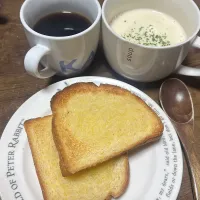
{"x":32,"y":59}
{"x":190,"y":71}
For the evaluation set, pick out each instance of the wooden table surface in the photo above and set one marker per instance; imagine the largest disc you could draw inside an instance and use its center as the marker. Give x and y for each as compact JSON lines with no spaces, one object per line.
{"x":16,"y":86}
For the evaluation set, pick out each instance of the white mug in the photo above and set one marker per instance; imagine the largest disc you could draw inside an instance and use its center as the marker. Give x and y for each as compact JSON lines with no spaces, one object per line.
{"x":60,"y":55}
{"x":144,"y":63}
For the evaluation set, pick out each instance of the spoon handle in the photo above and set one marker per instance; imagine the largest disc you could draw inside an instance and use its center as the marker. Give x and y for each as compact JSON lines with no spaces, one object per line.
{"x":191,"y":147}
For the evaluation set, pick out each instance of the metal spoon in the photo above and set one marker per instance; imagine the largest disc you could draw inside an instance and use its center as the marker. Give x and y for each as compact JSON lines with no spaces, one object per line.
{"x":176,"y":101}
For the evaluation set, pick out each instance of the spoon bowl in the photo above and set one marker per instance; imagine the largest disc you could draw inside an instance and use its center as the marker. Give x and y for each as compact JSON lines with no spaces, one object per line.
{"x":176,"y":100}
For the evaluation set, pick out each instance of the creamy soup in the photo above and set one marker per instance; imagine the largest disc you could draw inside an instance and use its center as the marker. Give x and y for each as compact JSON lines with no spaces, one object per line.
{"x":148,"y":27}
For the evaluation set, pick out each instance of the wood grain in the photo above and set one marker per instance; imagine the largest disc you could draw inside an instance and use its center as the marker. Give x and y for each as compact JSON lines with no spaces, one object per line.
{"x":16,"y":86}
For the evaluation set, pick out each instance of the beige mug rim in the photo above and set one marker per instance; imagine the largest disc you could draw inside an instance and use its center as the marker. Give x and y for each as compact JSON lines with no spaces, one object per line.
{"x":153,"y":47}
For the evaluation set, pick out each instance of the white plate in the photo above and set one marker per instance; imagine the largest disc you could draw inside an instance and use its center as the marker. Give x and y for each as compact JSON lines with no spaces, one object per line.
{"x":155,"y":170}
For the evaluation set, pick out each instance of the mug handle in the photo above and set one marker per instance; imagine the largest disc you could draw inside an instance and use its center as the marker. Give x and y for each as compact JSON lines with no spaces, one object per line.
{"x":190,"y":71}
{"x":32,"y":59}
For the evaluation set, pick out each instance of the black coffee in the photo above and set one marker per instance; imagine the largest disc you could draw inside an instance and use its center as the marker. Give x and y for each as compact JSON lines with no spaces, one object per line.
{"x":62,"y":24}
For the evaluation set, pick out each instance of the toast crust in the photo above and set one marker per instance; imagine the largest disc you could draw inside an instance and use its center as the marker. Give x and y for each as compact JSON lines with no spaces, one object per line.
{"x":28,"y":127}
{"x":61,"y":99}
{"x":124,"y":174}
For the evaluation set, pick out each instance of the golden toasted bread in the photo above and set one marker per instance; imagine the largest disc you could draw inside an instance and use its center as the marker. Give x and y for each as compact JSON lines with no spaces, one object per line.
{"x":97,"y":183}
{"x":92,"y":124}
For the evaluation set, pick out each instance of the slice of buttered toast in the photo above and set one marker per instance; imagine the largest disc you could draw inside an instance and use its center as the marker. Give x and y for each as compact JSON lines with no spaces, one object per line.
{"x":92,"y":124}
{"x":97,"y":183}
